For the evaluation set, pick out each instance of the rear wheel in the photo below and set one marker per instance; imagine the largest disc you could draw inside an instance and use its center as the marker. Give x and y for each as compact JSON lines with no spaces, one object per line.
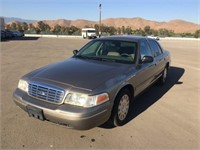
{"x":121,"y":108}
{"x":163,"y":78}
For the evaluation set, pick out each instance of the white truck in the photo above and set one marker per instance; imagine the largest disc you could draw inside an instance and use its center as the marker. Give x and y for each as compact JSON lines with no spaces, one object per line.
{"x":89,"y":33}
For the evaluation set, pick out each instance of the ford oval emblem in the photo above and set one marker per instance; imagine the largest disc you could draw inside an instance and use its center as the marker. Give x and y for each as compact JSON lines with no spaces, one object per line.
{"x":42,"y":93}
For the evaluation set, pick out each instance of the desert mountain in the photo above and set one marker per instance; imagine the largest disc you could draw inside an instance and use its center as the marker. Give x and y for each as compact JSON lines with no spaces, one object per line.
{"x":12,"y":19}
{"x":178,"y":26}
{"x":80,"y":23}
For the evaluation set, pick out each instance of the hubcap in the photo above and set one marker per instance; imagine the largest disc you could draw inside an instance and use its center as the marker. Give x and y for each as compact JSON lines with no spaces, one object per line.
{"x":123,"y":107}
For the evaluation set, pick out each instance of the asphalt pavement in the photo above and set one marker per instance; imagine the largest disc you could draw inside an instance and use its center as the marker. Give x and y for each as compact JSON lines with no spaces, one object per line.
{"x":166,"y":117}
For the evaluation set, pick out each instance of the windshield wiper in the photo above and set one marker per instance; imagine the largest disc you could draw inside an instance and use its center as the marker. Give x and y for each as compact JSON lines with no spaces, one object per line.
{"x":116,"y":60}
{"x":86,"y":57}
{"x":96,"y":58}
{"x":103,"y":59}
{"x":124,"y":61}
{"x":82,"y":57}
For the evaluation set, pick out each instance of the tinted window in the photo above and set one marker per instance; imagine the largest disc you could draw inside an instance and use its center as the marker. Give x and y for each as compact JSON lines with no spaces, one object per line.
{"x":145,"y":49}
{"x":155,"y":47}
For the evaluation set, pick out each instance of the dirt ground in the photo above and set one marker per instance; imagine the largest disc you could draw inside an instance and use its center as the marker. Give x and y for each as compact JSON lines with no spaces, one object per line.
{"x":165,"y":117}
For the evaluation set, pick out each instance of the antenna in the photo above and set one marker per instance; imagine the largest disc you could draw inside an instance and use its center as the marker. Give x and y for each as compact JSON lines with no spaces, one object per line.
{"x":100,"y":20}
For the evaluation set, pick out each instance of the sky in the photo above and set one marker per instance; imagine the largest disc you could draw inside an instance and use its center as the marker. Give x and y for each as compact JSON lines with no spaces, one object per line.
{"x":156,"y":10}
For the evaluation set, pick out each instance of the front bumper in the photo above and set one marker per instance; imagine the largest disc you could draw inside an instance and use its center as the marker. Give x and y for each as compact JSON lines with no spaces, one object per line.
{"x":68,"y":115}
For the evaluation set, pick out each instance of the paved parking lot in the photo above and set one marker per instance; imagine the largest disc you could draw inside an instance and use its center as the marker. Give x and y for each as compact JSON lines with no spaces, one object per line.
{"x":165,"y":117}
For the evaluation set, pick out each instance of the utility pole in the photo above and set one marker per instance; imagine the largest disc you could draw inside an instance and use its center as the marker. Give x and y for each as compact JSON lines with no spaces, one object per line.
{"x":99,"y":20}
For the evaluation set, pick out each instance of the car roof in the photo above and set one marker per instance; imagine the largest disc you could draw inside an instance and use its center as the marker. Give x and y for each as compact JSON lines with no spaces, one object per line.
{"x":123,"y":38}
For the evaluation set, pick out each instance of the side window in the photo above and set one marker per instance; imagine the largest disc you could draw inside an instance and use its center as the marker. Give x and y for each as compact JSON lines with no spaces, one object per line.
{"x":145,"y":49}
{"x":155,"y":47}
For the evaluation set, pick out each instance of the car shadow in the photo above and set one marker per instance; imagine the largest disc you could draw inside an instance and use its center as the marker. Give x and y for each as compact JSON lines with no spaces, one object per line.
{"x":152,"y":95}
{"x":20,"y":39}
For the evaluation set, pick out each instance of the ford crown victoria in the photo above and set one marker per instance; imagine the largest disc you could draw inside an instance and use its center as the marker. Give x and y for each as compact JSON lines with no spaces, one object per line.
{"x":96,"y":85}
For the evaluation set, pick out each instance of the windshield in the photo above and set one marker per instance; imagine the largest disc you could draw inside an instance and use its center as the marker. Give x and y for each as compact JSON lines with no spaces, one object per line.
{"x":91,"y":31}
{"x":109,"y":50}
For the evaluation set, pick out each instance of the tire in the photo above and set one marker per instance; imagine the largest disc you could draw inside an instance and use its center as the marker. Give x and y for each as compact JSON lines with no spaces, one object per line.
{"x":121,"y":108}
{"x":163,"y":78}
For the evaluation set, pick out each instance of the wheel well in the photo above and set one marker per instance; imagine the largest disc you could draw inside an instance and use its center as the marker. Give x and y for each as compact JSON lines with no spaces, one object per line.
{"x":167,"y":65}
{"x":130,"y":88}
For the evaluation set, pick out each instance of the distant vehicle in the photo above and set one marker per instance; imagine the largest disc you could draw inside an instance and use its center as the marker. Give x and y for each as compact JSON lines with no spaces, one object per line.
{"x":3,"y":35}
{"x":89,"y":33}
{"x":17,"y":33}
{"x":154,"y":37}
{"x":97,"y":84}
{"x":9,"y":34}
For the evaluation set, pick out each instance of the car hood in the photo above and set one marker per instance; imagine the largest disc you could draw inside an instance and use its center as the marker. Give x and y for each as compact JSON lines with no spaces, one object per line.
{"x":82,"y":73}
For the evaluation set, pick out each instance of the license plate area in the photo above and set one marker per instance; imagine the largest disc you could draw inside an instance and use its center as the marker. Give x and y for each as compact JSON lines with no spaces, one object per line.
{"x":35,"y":112}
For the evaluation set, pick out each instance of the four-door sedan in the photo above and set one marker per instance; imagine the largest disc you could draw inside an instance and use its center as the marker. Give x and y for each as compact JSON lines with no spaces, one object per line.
{"x":96,"y":85}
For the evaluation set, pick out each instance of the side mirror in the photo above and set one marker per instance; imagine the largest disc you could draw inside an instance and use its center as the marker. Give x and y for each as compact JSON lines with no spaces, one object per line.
{"x":147,"y":59}
{"x":75,"y":52}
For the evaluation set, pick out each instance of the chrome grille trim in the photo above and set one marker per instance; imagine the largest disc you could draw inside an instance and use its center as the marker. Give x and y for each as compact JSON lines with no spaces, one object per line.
{"x":46,"y":92}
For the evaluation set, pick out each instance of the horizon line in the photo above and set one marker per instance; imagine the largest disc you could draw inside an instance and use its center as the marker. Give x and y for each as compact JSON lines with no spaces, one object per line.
{"x":98,"y":20}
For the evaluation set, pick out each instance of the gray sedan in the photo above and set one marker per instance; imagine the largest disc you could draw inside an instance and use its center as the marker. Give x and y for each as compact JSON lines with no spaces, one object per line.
{"x":96,"y":85}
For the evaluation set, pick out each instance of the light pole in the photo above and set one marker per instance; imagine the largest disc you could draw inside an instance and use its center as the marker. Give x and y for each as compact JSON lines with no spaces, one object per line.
{"x":99,"y":20}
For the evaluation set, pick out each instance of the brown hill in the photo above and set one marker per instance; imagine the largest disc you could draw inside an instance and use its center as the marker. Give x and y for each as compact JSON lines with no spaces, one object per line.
{"x":178,"y":26}
{"x":80,"y":23}
{"x":181,"y":26}
{"x":52,"y":23}
{"x":134,"y":23}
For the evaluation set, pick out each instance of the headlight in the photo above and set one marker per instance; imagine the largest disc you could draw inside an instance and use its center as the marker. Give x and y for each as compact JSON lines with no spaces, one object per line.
{"x":84,"y":100}
{"x":23,"y":85}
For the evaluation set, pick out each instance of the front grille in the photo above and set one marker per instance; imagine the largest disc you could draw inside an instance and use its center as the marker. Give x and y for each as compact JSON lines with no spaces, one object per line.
{"x":45,"y":92}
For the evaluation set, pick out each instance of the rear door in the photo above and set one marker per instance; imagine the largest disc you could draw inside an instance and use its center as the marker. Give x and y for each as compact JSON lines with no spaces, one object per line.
{"x":158,"y":57}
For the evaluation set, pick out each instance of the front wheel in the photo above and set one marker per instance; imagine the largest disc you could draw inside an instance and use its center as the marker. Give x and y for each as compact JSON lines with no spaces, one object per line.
{"x":121,"y":108}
